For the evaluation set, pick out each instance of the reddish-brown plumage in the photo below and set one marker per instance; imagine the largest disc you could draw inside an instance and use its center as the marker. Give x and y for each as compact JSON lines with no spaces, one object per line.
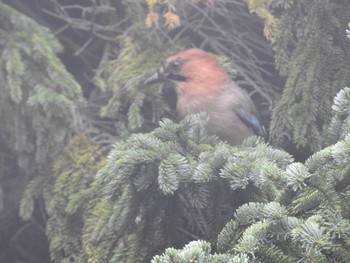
{"x":202,"y":84}
{"x":198,"y":68}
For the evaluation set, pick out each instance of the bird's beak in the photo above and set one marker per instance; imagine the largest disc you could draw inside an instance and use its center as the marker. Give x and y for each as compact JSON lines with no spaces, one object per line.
{"x":154,"y":79}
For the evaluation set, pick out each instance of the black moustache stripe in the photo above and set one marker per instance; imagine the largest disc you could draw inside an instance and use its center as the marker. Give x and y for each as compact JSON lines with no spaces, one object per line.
{"x":177,"y":77}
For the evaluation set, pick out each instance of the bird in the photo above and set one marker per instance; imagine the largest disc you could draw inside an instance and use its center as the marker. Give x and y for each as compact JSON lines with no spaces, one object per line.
{"x":203,"y":85}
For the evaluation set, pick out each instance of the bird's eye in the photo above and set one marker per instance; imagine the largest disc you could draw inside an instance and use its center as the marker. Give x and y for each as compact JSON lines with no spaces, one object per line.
{"x":175,"y":65}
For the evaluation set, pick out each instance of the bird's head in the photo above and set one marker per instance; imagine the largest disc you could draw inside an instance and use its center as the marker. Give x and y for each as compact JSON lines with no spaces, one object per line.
{"x":194,"y":71}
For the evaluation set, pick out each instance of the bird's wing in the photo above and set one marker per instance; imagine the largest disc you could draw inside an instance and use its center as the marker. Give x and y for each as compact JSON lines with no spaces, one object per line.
{"x":244,"y":108}
{"x":251,"y":121}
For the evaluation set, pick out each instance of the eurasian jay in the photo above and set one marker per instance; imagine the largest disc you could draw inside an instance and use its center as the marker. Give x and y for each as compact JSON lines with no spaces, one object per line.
{"x":204,"y":85}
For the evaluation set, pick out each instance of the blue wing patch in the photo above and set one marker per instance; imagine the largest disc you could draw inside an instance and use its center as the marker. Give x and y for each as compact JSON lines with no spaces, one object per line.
{"x":250,"y":120}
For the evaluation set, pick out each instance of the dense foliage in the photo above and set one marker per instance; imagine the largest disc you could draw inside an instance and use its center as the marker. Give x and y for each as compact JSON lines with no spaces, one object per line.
{"x":94,"y":166}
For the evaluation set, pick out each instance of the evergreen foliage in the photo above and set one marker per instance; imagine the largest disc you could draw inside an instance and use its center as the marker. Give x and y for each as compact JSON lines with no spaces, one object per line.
{"x":36,"y":88}
{"x":124,"y":77}
{"x":306,"y":221}
{"x":339,"y":126}
{"x":312,"y":51}
{"x":39,"y":110}
{"x":175,"y":193}
{"x":70,"y":200}
{"x":167,"y":188}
